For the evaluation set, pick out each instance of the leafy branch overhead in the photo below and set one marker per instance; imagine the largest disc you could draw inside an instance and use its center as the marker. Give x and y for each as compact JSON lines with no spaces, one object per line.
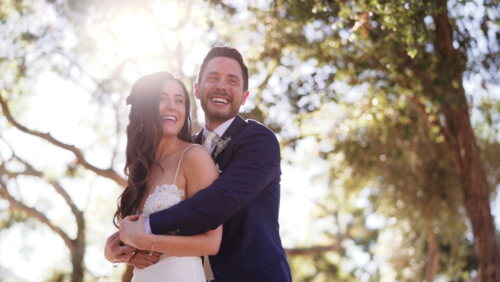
{"x":403,"y":58}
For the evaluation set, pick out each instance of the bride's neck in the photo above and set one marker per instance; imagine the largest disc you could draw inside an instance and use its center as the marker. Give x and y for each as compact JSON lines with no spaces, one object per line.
{"x":166,"y":147}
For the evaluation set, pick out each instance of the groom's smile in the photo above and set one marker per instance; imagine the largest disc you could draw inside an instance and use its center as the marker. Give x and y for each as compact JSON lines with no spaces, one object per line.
{"x":220,"y":100}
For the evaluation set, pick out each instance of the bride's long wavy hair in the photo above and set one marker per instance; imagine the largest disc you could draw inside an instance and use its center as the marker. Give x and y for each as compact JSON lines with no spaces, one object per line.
{"x":144,"y":134}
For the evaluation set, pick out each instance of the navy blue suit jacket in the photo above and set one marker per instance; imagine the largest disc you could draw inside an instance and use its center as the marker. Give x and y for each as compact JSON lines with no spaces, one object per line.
{"x":245,"y":198}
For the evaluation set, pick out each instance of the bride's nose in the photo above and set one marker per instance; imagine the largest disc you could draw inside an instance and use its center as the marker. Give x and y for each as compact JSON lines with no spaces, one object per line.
{"x":170,"y":105}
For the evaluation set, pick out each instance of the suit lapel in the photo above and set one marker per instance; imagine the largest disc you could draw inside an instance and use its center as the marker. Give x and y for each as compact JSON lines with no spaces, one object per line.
{"x":232,"y":131}
{"x":199,"y":137}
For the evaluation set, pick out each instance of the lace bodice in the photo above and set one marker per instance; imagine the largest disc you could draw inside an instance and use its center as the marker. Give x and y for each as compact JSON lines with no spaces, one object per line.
{"x":163,"y":198}
{"x":165,"y":195}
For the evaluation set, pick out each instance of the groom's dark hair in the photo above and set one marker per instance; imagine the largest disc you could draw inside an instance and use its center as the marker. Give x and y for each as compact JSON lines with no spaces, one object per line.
{"x":228,"y":52}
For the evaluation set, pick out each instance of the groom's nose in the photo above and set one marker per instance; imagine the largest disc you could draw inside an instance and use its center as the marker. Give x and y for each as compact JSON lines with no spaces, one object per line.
{"x":221,"y":85}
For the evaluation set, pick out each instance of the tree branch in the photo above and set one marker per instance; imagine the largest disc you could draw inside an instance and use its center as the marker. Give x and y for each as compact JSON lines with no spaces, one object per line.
{"x":30,"y":171}
{"x":312,"y":250}
{"x":14,"y":204}
{"x":442,"y":130}
{"x":317,"y":250}
{"x":108,"y":173}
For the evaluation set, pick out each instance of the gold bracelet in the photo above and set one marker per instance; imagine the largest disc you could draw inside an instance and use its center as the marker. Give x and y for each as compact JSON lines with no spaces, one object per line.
{"x":152,"y":246}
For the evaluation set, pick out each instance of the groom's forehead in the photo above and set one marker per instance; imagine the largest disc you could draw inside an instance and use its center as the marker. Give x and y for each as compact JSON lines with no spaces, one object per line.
{"x":224,"y":65}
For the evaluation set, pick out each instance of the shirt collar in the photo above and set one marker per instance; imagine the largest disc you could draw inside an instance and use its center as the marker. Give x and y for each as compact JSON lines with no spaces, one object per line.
{"x":221,"y":129}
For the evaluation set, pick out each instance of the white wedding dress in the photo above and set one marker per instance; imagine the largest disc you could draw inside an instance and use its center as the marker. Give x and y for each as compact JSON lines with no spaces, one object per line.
{"x":169,"y":268}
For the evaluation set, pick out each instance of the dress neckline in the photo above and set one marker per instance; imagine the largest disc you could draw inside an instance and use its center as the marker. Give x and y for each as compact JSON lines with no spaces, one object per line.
{"x":168,"y":188}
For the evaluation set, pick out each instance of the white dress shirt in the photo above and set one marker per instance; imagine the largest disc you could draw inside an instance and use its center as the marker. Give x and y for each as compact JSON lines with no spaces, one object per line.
{"x":220,"y":130}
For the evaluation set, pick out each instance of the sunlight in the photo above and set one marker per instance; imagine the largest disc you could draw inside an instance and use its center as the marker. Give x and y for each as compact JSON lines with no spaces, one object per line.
{"x":138,"y":35}
{"x":168,"y":13}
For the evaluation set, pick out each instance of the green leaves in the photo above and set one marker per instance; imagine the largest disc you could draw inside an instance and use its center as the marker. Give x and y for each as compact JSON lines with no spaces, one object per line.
{"x":394,"y":70}
{"x":412,"y":53}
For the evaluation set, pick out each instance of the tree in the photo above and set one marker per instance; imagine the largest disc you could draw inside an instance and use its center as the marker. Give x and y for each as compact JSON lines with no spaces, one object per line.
{"x":421,"y":50}
{"x":417,"y":188}
{"x":70,"y":40}
{"x":410,"y":182}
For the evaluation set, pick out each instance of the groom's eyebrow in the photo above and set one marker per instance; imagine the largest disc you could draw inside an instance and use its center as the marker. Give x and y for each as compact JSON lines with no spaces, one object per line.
{"x":234,"y":76}
{"x":213,"y":72}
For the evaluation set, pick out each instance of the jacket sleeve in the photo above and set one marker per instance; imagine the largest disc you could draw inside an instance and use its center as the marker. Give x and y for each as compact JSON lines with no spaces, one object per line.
{"x":255,"y":164}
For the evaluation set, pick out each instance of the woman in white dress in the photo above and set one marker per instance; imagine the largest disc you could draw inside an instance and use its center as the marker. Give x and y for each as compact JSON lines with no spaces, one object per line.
{"x":163,"y":168}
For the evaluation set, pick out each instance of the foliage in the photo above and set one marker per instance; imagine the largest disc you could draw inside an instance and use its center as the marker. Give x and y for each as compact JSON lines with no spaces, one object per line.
{"x":367,"y":79}
{"x":385,"y":67}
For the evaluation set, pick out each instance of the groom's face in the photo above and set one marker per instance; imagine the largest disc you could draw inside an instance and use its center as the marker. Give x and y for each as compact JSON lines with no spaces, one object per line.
{"x":221,"y":90}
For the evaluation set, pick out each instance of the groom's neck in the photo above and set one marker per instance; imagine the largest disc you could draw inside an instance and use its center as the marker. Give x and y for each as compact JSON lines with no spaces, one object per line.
{"x":211,"y":125}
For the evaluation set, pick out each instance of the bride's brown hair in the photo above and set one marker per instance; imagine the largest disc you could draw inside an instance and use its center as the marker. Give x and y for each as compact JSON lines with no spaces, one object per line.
{"x":144,"y":134}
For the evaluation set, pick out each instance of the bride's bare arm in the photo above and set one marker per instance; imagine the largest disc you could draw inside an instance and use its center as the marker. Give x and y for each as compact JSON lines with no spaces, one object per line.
{"x":199,"y":171}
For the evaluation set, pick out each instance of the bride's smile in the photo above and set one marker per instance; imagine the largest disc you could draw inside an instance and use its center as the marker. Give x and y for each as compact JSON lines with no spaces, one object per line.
{"x":172,"y":108}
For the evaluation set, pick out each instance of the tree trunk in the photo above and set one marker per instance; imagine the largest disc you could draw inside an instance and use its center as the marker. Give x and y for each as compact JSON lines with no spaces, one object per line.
{"x":466,"y":156}
{"x":432,"y":247}
{"x":77,"y":255}
{"x":129,"y":272}
{"x":77,"y":275}
{"x":462,"y":145}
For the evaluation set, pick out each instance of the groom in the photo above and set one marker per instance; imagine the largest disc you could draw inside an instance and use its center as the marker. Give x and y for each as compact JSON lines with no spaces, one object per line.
{"x":245,"y":198}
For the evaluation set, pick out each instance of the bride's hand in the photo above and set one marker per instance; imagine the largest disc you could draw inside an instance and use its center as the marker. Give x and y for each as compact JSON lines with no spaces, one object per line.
{"x":132,"y":232}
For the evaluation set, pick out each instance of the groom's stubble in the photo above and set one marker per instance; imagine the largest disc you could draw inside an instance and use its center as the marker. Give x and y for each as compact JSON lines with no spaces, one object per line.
{"x":221,"y":80}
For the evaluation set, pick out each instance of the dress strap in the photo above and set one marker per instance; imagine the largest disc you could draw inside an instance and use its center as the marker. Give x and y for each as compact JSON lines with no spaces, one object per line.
{"x":180,"y":160}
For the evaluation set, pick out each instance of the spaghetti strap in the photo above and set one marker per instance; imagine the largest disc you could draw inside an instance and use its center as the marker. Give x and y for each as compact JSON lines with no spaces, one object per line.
{"x":180,"y":160}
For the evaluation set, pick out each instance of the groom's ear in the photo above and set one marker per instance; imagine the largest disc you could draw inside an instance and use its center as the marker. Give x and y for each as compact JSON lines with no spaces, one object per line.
{"x":196,"y":91}
{"x":245,"y":96}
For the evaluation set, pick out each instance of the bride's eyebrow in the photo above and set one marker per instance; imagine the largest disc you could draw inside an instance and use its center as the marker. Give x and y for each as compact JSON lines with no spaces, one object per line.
{"x":175,"y":95}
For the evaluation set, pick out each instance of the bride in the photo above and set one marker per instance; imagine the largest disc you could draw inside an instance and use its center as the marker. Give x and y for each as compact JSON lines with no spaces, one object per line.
{"x":163,"y":168}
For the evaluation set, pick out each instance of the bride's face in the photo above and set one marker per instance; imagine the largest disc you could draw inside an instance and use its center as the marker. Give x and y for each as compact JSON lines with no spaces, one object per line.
{"x":172,"y":108}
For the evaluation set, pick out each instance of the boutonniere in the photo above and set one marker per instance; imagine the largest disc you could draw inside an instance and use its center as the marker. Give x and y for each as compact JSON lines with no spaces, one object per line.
{"x":220,"y":145}
{"x":217,"y":166}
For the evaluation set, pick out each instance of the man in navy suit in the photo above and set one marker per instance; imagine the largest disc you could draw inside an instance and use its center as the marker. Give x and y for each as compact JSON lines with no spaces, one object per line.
{"x":245,"y":198}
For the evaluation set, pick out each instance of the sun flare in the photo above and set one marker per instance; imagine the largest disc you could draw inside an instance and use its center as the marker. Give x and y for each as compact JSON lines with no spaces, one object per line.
{"x":138,"y":34}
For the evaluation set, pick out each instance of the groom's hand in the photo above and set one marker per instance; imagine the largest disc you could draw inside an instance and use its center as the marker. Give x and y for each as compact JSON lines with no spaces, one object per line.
{"x":116,"y":253}
{"x":142,"y":259}
{"x":132,"y":232}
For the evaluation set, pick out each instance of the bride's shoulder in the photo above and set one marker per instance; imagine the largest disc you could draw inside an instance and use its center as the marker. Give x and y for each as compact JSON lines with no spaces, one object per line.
{"x":196,"y":153}
{"x":198,"y":164}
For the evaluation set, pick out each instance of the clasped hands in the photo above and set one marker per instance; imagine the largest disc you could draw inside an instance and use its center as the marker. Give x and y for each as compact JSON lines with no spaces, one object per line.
{"x":130,"y":244}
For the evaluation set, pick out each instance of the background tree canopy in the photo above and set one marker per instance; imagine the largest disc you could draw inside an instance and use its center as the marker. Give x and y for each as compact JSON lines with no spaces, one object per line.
{"x":388,"y":114}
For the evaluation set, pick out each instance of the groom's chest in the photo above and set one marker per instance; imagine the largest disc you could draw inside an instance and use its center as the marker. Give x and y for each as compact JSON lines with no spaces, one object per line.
{"x":223,"y":157}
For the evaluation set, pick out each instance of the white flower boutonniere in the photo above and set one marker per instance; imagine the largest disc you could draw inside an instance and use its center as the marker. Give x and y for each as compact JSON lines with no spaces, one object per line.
{"x":217,"y":166}
{"x":221,"y":144}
